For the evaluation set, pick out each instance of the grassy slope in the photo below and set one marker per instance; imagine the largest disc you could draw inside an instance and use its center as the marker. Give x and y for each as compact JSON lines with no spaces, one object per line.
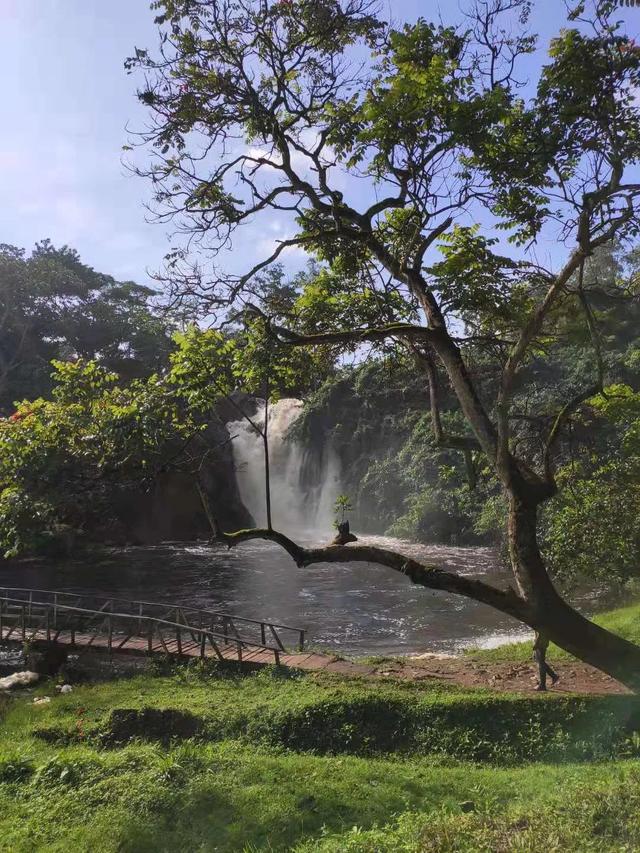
{"x":375,"y":765}
{"x":624,"y":621}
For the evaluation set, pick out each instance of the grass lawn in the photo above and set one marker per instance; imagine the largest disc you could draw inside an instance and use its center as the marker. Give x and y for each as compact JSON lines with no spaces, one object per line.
{"x":197,"y":759}
{"x":624,"y":621}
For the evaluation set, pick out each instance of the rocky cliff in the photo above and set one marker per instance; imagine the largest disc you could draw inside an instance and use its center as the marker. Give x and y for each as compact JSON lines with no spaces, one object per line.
{"x":172,"y":509}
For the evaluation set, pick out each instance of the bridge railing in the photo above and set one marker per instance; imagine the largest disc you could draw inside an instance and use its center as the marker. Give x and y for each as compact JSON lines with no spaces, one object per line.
{"x":261,"y":631}
{"x":48,"y":620}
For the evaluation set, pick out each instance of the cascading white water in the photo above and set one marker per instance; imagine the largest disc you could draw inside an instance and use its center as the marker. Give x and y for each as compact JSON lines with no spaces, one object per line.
{"x":296,"y":508}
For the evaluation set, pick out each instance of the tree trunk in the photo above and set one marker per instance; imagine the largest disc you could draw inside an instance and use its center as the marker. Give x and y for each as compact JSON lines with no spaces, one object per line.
{"x":206,"y":504}
{"x":561,"y":623}
{"x":590,"y":643}
{"x":267,"y":473}
{"x":530,"y":572}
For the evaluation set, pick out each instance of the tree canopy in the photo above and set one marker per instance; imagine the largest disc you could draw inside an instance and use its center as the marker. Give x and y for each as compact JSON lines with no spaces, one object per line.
{"x":258,"y":108}
{"x":53,"y":306}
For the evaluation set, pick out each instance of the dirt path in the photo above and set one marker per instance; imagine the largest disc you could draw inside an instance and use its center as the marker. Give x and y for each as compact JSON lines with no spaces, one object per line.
{"x":521,"y":677}
{"x":575,"y":677}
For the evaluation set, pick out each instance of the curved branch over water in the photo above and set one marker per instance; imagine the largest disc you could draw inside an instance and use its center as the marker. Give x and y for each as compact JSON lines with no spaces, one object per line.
{"x":507,"y":601}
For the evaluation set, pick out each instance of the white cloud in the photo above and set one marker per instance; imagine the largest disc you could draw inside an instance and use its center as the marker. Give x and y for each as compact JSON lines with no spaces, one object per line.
{"x":267,"y":244}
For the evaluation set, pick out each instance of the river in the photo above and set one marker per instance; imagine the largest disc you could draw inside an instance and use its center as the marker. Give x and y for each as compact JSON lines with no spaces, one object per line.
{"x":355,"y":608}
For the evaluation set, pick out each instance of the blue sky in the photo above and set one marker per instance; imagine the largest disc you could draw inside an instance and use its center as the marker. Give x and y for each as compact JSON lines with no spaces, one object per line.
{"x":66,"y":101}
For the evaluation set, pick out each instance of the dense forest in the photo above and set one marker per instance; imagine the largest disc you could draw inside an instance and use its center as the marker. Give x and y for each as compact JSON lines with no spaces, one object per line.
{"x":52,"y":306}
{"x":90,"y":424}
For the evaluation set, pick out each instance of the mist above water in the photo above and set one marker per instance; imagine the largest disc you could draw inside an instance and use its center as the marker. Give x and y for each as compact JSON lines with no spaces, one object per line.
{"x":302,"y":494}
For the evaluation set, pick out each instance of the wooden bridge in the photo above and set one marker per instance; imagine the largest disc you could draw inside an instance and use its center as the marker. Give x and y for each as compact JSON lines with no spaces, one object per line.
{"x":140,"y":627}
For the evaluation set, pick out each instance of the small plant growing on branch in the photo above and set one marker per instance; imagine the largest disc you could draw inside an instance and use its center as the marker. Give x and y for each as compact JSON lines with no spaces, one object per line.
{"x":341,"y":507}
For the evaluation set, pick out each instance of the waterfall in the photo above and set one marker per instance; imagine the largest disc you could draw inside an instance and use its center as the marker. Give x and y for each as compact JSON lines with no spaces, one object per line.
{"x":300,"y":503}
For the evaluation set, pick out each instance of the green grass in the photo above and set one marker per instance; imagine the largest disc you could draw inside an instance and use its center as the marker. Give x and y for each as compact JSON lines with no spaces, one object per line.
{"x":598,"y":813}
{"x":624,"y":621}
{"x":315,"y":762}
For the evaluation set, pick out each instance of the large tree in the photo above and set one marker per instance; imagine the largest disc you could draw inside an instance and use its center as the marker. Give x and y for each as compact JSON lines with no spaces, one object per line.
{"x":259,"y":108}
{"x":53,"y":306}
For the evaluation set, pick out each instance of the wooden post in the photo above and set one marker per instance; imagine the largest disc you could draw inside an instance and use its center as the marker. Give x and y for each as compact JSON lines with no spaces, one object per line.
{"x":203,"y":640}
{"x":110,"y":637}
{"x":179,"y":640}
{"x":215,"y":647}
{"x":263,"y":635}
{"x":48,"y":628}
{"x":301,"y":643}
{"x":24,"y":627}
{"x":150,"y":638}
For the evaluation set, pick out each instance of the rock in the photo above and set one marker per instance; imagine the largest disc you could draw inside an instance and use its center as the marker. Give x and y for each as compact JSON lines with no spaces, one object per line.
{"x":467,"y":806}
{"x":46,"y":660}
{"x":19,"y":679}
{"x":66,"y":688}
{"x":42,"y":700}
{"x":172,"y":508}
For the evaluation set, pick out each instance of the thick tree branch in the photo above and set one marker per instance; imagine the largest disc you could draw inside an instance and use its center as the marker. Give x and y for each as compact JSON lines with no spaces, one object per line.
{"x":429,"y":240}
{"x":441,"y":439}
{"x":587,"y":243}
{"x":593,"y":328}
{"x":530,"y":330}
{"x":452,"y":442}
{"x":393,"y":330}
{"x":507,"y":601}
